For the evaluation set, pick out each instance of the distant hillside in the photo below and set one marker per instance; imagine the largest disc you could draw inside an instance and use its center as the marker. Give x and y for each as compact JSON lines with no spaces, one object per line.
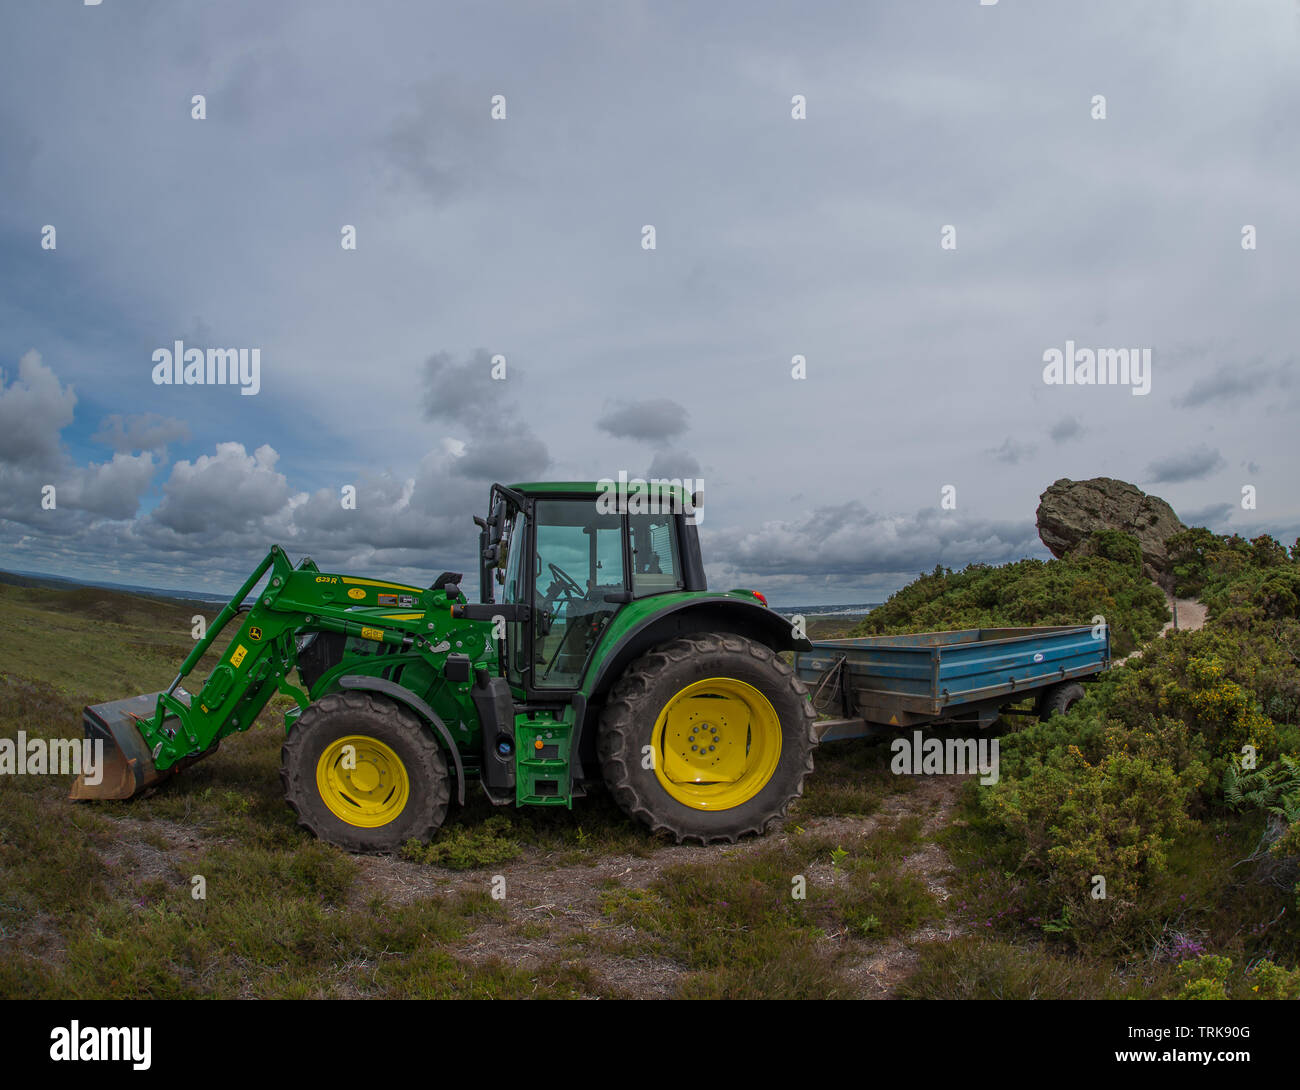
{"x":57,"y":582}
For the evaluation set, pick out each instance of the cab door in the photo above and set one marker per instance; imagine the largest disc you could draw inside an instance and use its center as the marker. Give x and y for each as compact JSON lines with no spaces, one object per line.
{"x":579,"y":582}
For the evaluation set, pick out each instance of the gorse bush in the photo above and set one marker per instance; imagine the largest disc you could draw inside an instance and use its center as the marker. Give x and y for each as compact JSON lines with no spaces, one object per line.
{"x":1203,"y":562}
{"x":1213,"y":977}
{"x":1115,"y":545}
{"x":1183,"y":699}
{"x":1107,"y":788}
{"x":1071,"y":590}
{"x":1159,"y":746}
{"x":1142,"y":783}
{"x":1076,"y":819}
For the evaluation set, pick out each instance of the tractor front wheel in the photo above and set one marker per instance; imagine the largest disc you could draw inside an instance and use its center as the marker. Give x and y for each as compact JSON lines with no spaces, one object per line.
{"x":707,"y":738}
{"x":362,"y":772}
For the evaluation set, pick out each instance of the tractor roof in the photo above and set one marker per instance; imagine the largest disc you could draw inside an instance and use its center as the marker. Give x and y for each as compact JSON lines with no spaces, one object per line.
{"x":669,"y":488}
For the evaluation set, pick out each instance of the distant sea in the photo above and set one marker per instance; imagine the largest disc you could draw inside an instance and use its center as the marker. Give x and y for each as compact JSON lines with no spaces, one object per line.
{"x":827,"y":611}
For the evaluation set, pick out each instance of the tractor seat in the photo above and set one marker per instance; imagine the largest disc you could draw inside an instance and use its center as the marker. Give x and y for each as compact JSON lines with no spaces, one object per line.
{"x":655,"y":584}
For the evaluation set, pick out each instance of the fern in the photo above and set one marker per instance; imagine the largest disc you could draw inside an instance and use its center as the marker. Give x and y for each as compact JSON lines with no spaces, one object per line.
{"x":1232,"y":793}
{"x":1275,"y":788}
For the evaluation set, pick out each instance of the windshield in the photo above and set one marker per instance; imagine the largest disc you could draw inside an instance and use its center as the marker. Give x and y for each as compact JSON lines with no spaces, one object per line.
{"x":510,"y":565}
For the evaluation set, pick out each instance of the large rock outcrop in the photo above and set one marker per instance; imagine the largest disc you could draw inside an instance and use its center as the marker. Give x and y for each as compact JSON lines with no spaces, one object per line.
{"x":1069,"y":512}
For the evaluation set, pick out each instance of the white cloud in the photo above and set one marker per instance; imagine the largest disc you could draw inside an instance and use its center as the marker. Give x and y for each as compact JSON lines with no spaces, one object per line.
{"x":112,"y":489}
{"x":34,"y":408}
{"x":228,"y":489}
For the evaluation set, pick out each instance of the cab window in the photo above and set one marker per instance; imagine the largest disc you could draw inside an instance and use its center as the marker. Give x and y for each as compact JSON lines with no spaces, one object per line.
{"x":656,"y":568}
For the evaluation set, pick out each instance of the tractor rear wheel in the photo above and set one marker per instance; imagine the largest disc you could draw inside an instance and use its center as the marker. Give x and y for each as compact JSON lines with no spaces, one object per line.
{"x":707,"y":738}
{"x":362,"y":772}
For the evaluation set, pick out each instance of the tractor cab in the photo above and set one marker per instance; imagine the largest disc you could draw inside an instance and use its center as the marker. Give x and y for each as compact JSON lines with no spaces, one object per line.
{"x":603,"y":621}
{"x":563,"y":559}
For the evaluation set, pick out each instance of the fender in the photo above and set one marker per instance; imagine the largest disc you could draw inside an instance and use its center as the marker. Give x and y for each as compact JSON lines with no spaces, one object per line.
{"x":710,"y":613}
{"x":404,"y":696}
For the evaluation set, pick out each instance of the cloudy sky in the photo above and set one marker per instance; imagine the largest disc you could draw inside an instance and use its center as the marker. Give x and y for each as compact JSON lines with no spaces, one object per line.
{"x":774,"y":237}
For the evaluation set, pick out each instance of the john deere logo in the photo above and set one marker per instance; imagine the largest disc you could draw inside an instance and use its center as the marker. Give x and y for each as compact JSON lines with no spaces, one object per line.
{"x":254,"y":633}
{"x":356,"y":592}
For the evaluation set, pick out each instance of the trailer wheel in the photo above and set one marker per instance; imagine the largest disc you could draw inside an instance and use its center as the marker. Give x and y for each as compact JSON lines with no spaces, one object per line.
{"x":707,"y":738}
{"x":1059,"y":699}
{"x":362,"y":772}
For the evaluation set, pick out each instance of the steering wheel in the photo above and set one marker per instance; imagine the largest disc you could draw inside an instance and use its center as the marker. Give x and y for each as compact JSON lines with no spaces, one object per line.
{"x":561,"y":583}
{"x":567,"y":583}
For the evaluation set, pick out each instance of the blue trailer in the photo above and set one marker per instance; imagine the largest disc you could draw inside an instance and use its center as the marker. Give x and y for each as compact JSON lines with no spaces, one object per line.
{"x":874,"y":684}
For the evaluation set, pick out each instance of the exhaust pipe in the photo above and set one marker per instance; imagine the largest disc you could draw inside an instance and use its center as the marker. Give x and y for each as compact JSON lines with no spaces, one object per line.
{"x":126,"y":768}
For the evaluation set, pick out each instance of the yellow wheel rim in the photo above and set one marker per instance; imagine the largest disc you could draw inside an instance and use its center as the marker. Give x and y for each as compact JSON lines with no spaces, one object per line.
{"x":716,"y":744}
{"x":362,"y":781}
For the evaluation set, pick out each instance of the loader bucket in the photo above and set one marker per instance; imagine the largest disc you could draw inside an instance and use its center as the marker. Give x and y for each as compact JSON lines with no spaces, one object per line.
{"x":125,"y":768}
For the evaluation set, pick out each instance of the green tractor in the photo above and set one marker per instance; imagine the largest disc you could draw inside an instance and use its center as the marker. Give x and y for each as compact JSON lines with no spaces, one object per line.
{"x":596,"y":653}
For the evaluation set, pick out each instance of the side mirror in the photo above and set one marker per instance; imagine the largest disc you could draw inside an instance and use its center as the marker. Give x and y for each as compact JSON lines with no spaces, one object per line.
{"x":494,"y":523}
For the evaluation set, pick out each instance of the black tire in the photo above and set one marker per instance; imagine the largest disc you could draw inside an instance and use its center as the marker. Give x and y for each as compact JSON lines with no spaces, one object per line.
{"x":338,"y":715}
{"x":1059,"y":699}
{"x":628,"y":721}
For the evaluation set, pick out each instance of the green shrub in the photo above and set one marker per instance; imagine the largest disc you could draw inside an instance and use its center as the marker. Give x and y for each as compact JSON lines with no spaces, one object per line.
{"x":1071,"y":590}
{"x":1274,"y":982}
{"x":467,"y":847}
{"x":1207,"y":977}
{"x":1211,"y":976}
{"x":1122,"y":548}
{"x":1124,"y":782}
{"x":1074,"y":819}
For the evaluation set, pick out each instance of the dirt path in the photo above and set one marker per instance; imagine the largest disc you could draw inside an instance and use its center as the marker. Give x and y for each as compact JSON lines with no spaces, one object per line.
{"x":887,"y":964}
{"x":550,"y":908}
{"x":1189,"y":612}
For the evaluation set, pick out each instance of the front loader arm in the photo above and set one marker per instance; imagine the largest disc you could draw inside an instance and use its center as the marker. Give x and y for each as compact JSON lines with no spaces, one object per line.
{"x":147,"y":738}
{"x":256,"y":663}
{"x":264,"y":651}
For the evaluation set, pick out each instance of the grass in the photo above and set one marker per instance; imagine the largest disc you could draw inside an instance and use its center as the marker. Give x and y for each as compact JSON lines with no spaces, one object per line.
{"x":98,"y":900}
{"x":977,"y":967}
{"x":851,"y":779}
{"x":761,"y":926}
